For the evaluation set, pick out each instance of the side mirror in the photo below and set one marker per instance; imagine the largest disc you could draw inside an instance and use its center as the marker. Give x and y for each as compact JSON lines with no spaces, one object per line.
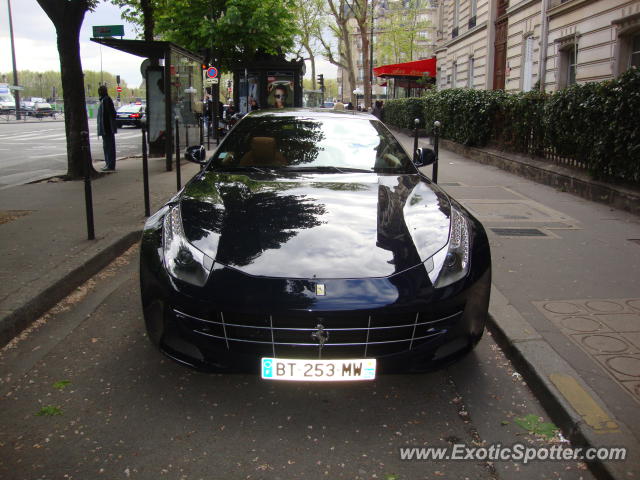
{"x":196,"y":154}
{"x":424,"y":157}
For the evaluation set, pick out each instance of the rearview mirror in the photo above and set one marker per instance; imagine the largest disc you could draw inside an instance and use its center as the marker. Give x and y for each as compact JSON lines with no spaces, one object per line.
{"x":196,"y":154}
{"x":424,"y":157}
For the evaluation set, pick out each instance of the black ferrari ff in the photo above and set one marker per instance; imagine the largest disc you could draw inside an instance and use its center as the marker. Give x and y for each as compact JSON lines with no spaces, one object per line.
{"x":311,"y":247}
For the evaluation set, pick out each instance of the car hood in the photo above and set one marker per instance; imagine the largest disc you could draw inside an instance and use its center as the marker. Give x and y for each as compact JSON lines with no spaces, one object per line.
{"x":349,"y":225}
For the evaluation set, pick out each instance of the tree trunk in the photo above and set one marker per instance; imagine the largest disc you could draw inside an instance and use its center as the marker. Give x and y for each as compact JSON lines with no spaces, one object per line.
{"x":366,"y":62}
{"x":149,"y":23}
{"x":67,"y":17}
{"x":312,"y":59}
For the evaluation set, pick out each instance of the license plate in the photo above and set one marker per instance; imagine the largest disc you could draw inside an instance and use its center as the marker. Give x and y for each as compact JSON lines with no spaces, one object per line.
{"x":318,"y":370}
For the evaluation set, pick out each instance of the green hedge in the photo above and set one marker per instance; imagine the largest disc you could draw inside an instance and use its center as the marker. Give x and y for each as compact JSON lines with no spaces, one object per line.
{"x":595,"y":124}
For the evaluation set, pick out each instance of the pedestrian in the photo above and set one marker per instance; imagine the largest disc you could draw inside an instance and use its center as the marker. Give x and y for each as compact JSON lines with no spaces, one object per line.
{"x":349,"y":106}
{"x":377,"y":110}
{"x":107,"y":128}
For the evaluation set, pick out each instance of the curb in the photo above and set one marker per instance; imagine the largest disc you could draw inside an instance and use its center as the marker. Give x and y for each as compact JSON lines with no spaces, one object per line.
{"x":539,"y":363}
{"x":17,"y":320}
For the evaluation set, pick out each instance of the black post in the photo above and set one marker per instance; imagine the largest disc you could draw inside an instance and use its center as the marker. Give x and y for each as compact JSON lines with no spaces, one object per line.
{"x":201,"y":130}
{"x":178,"y":179}
{"x":416,"y":122}
{"x":145,"y":170}
{"x":209,"y":127}
{"x":436,"y":134}
{"x":88,"y":195}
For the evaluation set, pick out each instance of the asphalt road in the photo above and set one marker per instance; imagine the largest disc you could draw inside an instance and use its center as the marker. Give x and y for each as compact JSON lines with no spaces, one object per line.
{"x":31,"y":151}
{"x":118,"y":409}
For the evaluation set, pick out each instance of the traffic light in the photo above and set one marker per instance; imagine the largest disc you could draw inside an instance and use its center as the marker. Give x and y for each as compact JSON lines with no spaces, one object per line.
{"x":118,"y":79}
{"x":321,"y":81}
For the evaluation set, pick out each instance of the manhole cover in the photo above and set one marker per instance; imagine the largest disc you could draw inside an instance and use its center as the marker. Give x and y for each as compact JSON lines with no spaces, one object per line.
{"x":519,"y":232}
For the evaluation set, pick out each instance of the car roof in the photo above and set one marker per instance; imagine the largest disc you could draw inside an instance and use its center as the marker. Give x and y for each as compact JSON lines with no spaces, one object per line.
{"x":311,"y":113}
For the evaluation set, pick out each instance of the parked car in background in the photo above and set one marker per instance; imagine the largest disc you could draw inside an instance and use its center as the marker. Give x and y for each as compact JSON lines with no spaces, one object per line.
{"x":42,"y":109}
{"x":7,"y":103}
{"x":131,"y":114}
{"x":27,"y":107}
{"x":328,"y":104}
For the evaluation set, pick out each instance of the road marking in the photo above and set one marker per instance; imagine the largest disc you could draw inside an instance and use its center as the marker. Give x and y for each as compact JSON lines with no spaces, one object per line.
{"x":584,"y":404}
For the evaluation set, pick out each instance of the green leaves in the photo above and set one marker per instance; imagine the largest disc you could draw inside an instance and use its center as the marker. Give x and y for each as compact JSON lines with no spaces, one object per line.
{"x":595,"y":124}
{"x":61,"y":384}
{"x":49,"y":411}
{"x":534,"y":425}
{"x":233,"y":28}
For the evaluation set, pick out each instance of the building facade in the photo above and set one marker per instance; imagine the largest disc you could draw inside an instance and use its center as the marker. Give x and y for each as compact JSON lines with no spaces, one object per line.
{"x":517,"y":44}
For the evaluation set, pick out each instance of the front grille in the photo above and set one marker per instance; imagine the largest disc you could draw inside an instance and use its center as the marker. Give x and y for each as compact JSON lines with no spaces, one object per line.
{"x":350,"y":335}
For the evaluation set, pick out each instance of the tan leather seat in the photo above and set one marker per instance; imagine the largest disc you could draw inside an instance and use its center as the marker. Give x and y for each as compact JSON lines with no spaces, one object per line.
{"x":263,"y":153}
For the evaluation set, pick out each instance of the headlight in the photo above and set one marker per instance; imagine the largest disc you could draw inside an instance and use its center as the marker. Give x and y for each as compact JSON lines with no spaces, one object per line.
{"x":456,"y":262}
{"x":181,"y":259}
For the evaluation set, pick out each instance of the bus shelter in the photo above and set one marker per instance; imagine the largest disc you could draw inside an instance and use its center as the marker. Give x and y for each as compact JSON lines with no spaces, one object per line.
{"x":407,"y":79}
{"x":268,"y":81}
{"x":174,"y":88}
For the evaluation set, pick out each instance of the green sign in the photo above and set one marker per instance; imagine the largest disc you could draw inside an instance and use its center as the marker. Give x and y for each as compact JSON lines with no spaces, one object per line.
{"x":109,"y":31}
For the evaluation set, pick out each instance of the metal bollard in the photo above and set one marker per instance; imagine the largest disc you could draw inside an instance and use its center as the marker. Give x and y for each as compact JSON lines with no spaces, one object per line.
{"x":88,"y":194}
{"x":201,"y":131}
{"x":416,"y":122}
{"x":436,"y":134}
{"x":145,"y":171}
{"x":178,"y":179}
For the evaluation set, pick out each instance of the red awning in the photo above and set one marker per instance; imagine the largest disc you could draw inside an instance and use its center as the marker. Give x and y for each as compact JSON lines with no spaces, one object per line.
{"x":409,"y":69}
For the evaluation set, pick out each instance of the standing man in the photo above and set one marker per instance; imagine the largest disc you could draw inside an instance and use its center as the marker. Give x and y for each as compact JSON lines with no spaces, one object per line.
{"x":107,"y":128}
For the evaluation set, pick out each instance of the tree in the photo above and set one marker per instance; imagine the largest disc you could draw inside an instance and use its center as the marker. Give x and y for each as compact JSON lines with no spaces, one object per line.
{"x":360,"y":10}
{"x":308,"y":21}
{"x":399,"y":32}
{"x":228,"y":30}
{"x":339,"y":11}
{"x":42,"y":84}
{"x":139,"y":12}
{"x":67,"y":17}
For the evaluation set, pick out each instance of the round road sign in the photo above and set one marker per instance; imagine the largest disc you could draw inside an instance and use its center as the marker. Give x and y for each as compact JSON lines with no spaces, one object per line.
{"x":118,"y":89}
{"x":212,"y":72}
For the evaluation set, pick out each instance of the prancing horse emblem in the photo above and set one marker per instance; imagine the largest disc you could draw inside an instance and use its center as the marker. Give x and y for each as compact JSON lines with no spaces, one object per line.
{"x":320,"y":335}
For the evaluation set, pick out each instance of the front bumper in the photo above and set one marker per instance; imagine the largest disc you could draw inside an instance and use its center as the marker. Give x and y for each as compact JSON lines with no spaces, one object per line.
{"x":228,"y":325}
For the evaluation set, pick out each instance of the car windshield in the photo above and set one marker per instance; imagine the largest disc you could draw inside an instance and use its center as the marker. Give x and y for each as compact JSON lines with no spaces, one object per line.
{"x":6,"y":98}
{"x":330,"y":143}
{"x":130,"y":108}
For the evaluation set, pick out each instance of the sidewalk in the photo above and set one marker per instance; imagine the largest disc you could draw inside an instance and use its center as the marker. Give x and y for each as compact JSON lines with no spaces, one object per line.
{"x":46,"y":251}
{"x":565,"y":302}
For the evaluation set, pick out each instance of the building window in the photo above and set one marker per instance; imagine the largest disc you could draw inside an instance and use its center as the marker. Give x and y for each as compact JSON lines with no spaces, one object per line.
{"x":567,"y":65}
{"x":634,"y":58}
{"x":456,"y":10}
{"x":473,"y":13}
{"x":527,"y":66}
{"x":470,"y":72}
